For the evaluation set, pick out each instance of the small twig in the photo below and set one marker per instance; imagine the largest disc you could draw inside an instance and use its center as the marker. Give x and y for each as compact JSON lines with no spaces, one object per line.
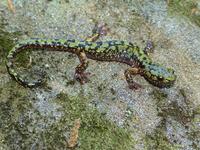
{"x":194,"y":11}
{"x":11,"y":6}
{"x":30,"y":61}
{"x":72,"y":142}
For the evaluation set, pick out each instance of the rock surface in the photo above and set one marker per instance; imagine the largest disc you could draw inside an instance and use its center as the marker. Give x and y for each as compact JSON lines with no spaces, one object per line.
{"x":111,"y":115}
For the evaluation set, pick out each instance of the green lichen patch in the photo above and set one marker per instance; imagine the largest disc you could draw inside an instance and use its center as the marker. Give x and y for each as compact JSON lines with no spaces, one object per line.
{"x":24,"y":59}
{"x":171,"y":109}
{"x":25,"y":127}
{"x":186,"y":8}
{"x":159,"y":95}
{"x":96,"y":132}
{"x":193,"y":132}
{"x":13,"y":103}
{"x":6,"y":40}
{"x":183,"y":114}
{"x":159,"y":141}
{"x":7,"y":43}
{"x":193,"y":135}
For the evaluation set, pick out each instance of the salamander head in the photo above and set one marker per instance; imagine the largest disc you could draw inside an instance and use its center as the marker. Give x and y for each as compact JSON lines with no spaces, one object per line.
{"x":159,"y":76}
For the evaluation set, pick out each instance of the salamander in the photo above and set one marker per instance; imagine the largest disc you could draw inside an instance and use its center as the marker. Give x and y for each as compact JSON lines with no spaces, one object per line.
{"x":114,"y":50}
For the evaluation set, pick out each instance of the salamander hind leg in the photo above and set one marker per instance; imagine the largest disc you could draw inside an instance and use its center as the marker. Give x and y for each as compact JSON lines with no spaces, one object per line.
{"x":80,"y":75}
{"x":129,"y":73}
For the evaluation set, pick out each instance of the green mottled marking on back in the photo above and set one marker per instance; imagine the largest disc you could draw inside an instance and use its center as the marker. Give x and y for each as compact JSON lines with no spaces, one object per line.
{"x":113,"y":48}
{"x":62,"y":41}
{"x":49,"y":41}
{"x":100,"y":50}
{"x":73,"y":44}
{"x":105,"y":45}
{"x":93,"y":46}
{"x":121,"y":51}
{"x":118,"y":42}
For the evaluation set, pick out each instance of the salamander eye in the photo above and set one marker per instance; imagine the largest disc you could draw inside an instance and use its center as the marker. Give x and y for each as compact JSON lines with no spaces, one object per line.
{"x":170,"y":70}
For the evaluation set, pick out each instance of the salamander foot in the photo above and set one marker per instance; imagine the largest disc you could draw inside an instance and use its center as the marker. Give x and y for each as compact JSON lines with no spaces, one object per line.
{"x":82,"y":77}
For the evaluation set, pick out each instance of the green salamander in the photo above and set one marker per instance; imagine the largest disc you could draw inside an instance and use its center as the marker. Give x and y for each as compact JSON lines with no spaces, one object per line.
{"x":119,"y":51}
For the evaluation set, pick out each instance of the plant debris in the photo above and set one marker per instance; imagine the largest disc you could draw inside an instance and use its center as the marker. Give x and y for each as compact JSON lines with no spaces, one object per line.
{"x":11,"y":6}
{"x":72,"y":142}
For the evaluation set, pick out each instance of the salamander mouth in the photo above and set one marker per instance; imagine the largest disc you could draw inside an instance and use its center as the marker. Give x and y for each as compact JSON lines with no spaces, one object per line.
{"x":160,"y":83}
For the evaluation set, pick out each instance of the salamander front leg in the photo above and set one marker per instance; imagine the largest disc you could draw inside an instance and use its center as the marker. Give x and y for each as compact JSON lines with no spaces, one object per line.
{"x":129,"y":73}
{"x":80,"y":75}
